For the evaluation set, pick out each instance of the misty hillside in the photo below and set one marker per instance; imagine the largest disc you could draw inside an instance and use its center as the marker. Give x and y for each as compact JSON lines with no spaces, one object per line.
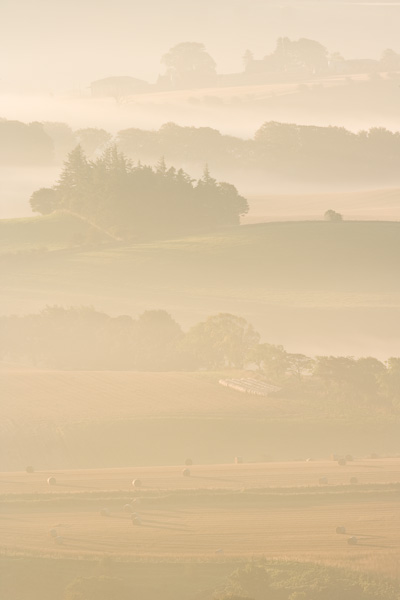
{"x":316,"y":287}
{"x":346,"y":256}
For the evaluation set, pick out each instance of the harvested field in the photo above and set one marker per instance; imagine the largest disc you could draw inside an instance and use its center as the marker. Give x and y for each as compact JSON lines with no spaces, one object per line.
{"x":274,"y":510}
{"x":209,"y":477}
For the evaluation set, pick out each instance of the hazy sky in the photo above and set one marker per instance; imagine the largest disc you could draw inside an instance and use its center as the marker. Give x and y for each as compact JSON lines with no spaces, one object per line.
{"x":62,"y":45}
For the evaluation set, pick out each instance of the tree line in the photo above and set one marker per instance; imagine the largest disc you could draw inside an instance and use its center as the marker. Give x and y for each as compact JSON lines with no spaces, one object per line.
{"x":305,"y":152}
{"x":139,"y":201}
{"x":81,"y":338}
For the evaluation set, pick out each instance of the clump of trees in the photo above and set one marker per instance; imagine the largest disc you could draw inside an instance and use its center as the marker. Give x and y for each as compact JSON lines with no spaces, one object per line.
{"x":188,"y":65}
{"x":81,"y":338}
{"x":332,"y":215}
{"x":140,"y":201}
{"x":290,"y":55}
{"x":262,"y":580}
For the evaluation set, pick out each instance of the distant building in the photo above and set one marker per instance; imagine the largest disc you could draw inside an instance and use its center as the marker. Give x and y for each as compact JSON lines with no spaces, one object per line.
{"x":118,"y":87}
{"x":250,"y":386}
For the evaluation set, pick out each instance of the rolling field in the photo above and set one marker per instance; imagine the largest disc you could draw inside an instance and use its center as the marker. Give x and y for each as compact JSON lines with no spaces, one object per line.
{"x":277,"y":510}
{"x":71,"y":396}
{"x":90,"y":419}
{"x":315,"y":287}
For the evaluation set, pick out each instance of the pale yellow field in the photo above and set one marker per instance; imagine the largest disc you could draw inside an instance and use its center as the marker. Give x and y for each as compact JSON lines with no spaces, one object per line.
{"x":218,"y":510}
{"x":210,"y":477}
{"x":243,"y":91}
{"x":79,"y":395}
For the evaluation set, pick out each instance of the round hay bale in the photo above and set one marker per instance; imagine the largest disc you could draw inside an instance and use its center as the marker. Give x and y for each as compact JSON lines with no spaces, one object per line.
{"x":105,"y":512}
{"x":352,"y":541}
{"x":341,"y":462}
{"x":59,"y":540}
{"x":188,"y":462}
{"x":186,"y":472}
{"x":349,"y":457}
{"x":30,"y":469}
{"x":51,"y":481}
{"x":238,"y":460}
{"x":309,"y":459}
{"x":353,"y":480}
{"x":341,"y":530}
{"x":136,"y":520}
{"x":323,"y":481}
{"x":128,"y":508}
{"x":53,"y":533}
{"x":137,"y":483}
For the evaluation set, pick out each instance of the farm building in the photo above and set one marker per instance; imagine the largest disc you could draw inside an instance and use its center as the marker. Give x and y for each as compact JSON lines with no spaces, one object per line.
{"x":250,"y":386}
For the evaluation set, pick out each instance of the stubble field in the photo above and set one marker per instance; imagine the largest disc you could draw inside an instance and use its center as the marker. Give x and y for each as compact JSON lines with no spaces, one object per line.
{"x":277,"y":510}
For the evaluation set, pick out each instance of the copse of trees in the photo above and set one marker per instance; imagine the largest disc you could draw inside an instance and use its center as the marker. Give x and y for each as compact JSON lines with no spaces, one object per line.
{"x":140,"y":202}
{"x":290,"y":54}
{"x":188,"y":65}
{"x":305,"y":152}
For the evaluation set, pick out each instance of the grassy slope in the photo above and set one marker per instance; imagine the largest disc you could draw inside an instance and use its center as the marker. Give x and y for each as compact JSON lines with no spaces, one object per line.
{"x":382,"y":205}
{"x":51,"y":232}
{"x":315,"y":287}
{"x":314,"y":256}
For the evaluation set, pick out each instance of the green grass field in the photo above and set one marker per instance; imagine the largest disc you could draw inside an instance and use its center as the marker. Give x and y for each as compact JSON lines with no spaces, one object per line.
{"x":316,"y":287}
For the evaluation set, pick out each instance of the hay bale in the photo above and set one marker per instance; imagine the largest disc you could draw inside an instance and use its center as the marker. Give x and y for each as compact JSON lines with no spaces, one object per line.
{"x":353,"y":541}
{"x":353,"y":480}
{"x":238,"y":460}
{"x":53,"y":533}
{"x":51,"y":481}
{"x":349,"y":457}
{"x":105,"y":512}
{"x":136,"y":520}
{"x":186,"y":472}
{"x":341,"y":530}
{"x":30,"y":469}
{"x":309,"y":460}
{"x":59,"y":540}
{"x":137,"y":483}
{"x":135,"y":502}
{"x":323,"y":481}
{"x":188,"y":462}
{"x":128,"y":508}
{"x":341,"y":462}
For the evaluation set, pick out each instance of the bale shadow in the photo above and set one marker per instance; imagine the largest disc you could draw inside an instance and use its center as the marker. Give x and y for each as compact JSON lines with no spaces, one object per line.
{"x":212,"y":478}
{"x":372,"y":546}
{"x":166,"y":527}
{"x":16,"y":482}
{"x":366,"y":536}
{"x":84,"y":487}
